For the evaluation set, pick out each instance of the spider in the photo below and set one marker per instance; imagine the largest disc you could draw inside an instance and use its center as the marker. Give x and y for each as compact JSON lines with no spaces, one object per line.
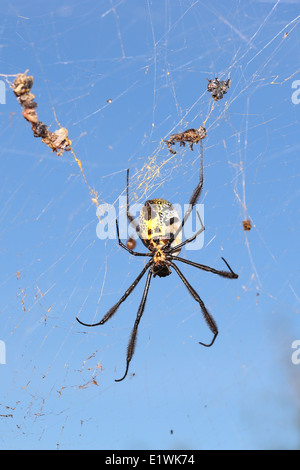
{"x":160,"y":230}
{"x":218,"y":88}
{"x":191,"y":135}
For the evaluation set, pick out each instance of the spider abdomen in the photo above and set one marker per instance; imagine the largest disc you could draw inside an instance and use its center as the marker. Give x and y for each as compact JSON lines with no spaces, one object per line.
{"x":158,"y":222}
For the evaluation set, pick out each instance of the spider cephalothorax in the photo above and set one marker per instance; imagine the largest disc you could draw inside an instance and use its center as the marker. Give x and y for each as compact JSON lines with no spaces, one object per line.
{"x":191,"y":136}
{"x":160,"y":230}
{"x":160,"y":266}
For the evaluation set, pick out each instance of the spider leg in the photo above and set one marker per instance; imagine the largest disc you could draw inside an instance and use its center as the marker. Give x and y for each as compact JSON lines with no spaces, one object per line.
{"x":191,"y":146}
{"x":132,"y":341}
{"x":130,"y":217}
{"x":134,"y":253}
{"x":229,"y":274}
{"x":209,"y":319}
{"x":180,"y":245}
{"x":197,"y":191}
{"x":113,"y":310}
{"x":195,"y":196}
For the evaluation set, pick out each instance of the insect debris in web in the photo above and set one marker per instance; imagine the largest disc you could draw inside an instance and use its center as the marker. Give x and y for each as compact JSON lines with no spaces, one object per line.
{"x":190,"y":136}
{"x":131,"y":243}
{"x":247,"y":226}
{"x":58,"y":140}
{"x":218,"y":88}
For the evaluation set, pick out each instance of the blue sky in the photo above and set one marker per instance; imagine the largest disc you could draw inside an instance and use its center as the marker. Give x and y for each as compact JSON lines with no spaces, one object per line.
{"x":151,"y":59}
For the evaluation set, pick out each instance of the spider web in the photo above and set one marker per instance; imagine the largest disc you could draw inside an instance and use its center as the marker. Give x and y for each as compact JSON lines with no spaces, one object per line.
{"x":122,"y":76}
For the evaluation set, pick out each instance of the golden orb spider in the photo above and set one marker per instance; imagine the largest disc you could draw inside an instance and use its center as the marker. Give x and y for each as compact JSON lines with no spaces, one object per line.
{"x":160,"y":231}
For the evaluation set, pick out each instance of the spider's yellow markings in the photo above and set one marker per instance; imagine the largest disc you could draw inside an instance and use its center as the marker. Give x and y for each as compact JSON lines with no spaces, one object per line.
{"x":158,"y":220}
{"x":159,"y":257}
